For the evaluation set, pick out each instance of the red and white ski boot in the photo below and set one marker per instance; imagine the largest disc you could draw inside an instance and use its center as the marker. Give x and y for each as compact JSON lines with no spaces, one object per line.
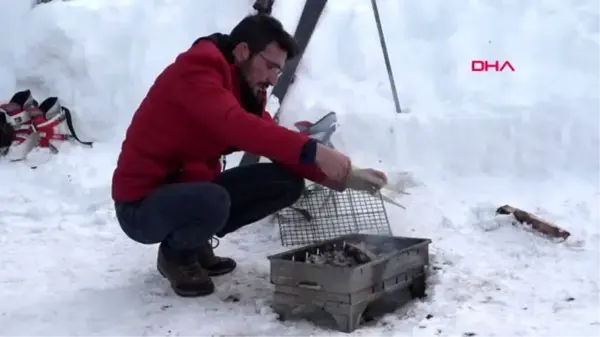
{"x":18,"y":112}
{"x":54,"y":125}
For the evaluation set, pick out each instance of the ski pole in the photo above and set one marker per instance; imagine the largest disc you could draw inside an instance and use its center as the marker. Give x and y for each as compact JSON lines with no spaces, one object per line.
{"x":388,"y":65}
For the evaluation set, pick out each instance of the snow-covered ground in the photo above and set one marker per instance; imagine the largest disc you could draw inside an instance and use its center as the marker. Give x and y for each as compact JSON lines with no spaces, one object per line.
{"x":475,"y":141}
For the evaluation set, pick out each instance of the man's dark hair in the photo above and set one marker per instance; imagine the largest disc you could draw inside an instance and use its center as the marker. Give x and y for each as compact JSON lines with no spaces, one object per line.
{"x":258,"y":30}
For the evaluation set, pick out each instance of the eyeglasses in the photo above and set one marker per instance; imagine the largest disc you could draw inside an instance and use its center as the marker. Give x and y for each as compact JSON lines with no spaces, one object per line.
{"x":272,"y":65}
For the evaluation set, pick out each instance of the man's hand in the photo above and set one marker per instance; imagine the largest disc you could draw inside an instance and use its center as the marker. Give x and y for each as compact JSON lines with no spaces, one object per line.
{"x":368,"y":180}
{"x":334,"y":164}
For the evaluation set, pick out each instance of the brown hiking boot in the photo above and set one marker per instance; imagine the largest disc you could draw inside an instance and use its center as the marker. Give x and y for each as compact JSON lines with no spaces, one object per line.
{"x":214,"y":265}
{"x":188,"y":279}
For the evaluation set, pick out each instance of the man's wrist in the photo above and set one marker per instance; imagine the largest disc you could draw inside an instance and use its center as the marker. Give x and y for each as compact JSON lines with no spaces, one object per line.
{"x":308,"y":153}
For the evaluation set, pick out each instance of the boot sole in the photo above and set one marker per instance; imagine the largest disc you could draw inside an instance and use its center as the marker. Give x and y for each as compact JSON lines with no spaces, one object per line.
{"x":219,"y":272}
{"x":185,"y":293}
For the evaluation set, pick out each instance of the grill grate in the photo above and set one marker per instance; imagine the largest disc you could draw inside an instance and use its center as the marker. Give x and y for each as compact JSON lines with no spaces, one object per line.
{"x":322,"y":214}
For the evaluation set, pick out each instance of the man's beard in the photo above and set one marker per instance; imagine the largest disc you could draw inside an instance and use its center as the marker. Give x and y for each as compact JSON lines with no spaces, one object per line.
{"x":257,"y":89}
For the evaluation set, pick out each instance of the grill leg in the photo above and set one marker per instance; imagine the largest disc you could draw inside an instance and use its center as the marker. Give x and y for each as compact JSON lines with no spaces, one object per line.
{"x":349,"y":320}
{"x":418,"y":286}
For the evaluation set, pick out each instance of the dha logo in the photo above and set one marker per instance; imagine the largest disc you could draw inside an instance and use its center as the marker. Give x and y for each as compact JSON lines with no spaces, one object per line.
{"x":497,"y":66}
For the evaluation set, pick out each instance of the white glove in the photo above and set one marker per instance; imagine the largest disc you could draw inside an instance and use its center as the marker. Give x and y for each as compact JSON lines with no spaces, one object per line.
{"x":368,"y":180}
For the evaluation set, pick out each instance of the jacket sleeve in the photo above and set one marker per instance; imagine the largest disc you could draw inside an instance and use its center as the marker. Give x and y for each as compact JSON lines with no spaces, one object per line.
{"x":307,"y":171}
{"x":201,"y":92}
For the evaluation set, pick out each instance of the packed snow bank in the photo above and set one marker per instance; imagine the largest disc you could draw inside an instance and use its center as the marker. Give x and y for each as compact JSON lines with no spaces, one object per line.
{"x":101,"y":59}
{"x":19,"y":11}
{"x":539,"y":119}
{"x":475,"y":141}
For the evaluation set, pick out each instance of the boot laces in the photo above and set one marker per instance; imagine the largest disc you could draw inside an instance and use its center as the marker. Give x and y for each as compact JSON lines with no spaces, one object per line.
{"x":214,"y":242}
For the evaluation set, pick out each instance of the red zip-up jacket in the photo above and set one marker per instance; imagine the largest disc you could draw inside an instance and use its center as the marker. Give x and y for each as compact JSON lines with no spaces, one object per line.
{"x":190,"y":117}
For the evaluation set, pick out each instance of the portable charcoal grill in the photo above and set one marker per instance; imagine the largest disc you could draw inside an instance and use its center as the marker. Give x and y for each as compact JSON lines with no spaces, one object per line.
{"x":347,"y":275}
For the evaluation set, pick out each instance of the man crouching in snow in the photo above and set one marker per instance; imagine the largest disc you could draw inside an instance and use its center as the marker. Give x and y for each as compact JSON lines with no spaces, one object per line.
{"x":168,"y":186}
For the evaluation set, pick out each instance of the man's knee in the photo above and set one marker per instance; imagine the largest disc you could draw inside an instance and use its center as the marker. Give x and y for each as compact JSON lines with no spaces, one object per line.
{"x":296,"y":184}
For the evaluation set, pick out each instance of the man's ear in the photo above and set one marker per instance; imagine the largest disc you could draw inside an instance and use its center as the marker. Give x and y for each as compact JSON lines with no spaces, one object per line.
{"x":241,"y":52}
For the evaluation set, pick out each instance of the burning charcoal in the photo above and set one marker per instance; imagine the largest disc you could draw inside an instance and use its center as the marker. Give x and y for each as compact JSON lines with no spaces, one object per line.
{"x":316,"y":259}
{"x":361,"y":253}
{"x":342,"y":259}
{"x":350,"y":255}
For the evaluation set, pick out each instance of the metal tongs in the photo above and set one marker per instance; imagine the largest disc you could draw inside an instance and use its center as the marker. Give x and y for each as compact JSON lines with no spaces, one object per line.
{"x":388,"y":198}
{"x":393,"y":190}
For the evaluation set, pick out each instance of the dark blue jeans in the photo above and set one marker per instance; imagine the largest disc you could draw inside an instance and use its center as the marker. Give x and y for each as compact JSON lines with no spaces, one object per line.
{"x":186,"y":215}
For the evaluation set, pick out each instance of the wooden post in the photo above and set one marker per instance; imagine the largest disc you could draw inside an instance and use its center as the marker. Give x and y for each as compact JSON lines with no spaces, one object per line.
{"x":536,"y":223}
